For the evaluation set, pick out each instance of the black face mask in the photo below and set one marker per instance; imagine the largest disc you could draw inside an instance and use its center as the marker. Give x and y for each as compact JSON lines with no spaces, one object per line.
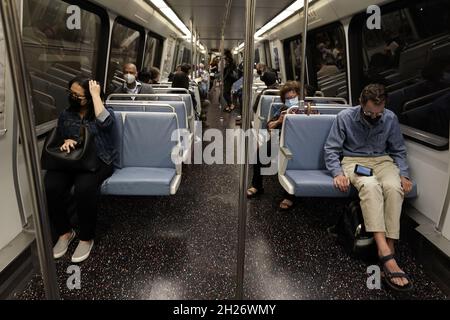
{"x":75,"y":104}
{"x":372,"y":121}
{"x":259,"y":72}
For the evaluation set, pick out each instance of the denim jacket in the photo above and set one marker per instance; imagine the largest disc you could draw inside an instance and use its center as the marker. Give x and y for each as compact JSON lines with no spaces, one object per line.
{"x":69,"y":126}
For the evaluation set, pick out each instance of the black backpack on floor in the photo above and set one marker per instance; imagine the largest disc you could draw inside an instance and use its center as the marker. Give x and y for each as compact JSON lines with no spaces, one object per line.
{"x":352,"y":235}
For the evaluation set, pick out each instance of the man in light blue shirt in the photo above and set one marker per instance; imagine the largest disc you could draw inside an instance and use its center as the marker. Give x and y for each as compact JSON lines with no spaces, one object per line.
{"x":369,"y":135}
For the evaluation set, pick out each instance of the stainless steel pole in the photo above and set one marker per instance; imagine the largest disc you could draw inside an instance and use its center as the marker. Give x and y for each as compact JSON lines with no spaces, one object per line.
{"x":22,"y":94}
{"x":192,"y":48}
{"x":303,"y":60}
{"x":221,"y":69}
{"x":246,"y":110}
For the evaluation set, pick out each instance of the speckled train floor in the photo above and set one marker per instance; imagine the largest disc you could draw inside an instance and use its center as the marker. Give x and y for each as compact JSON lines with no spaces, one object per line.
{"x":184,"y":246}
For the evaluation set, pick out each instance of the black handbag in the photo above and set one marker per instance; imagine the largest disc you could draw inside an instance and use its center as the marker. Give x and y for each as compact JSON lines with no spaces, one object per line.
{"x":82,"y":158}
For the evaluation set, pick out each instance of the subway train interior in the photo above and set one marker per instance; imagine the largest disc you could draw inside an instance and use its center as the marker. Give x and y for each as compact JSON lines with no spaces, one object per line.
{"x":177,"y":218}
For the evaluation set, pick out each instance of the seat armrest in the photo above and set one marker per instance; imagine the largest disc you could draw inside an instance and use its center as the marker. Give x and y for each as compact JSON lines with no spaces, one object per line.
{"x":287,"y":153}
{"x":177,"y":157}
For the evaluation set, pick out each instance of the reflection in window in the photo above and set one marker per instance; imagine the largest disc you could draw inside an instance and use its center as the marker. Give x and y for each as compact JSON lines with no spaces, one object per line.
{"x":150,"y":52}
{"x":54,"y":54}
{"x":327,"y":48}
{"x":411,"y":56}
{"x":125,"y":45}
{"x":296,"y":57}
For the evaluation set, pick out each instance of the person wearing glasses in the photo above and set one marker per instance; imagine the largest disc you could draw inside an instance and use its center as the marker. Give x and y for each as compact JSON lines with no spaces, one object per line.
{"x":85,"y":109}
{"x":369,"y":135}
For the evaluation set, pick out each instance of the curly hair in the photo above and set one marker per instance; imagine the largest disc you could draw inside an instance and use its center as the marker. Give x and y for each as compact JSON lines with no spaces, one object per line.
{"x":288,"y":87}
{"x":373,"y":92}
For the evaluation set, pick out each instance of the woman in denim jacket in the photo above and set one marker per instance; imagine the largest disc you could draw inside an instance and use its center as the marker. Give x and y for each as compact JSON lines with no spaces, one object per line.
{"x":85,"y":109}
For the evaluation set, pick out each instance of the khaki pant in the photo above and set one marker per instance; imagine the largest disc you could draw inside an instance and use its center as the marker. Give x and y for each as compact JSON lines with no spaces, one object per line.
{"x":381,"y":195}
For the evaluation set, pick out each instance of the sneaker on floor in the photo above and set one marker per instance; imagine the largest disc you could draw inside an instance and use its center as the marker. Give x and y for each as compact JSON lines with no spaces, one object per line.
{"x":82,"y":251}
{"x":62,"y":245}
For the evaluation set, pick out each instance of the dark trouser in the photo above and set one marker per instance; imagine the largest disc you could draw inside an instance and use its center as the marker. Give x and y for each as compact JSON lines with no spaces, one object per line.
{"x":58,"y":185}
{"x":227,"y":96}
{"x":257,"y":180}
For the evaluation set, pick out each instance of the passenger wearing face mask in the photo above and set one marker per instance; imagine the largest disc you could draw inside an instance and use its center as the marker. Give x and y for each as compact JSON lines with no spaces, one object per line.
{"x":369,"y":135}
{"x":85,"y":109}
{"x":132,"y":85}
{"x":289,"y":94}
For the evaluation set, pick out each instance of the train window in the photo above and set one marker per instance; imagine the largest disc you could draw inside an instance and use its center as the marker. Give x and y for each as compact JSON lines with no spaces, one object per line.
{"x":326,"y":51}
{"x":276,"y":58}
{"x":186,"y":56}
{"x":150,"y":52}
{"x":411,"y":56}
{"x":126,"y":43}
{"x":295,"y":54}
{"x":55,"y":53}
{"x":257,"y":56}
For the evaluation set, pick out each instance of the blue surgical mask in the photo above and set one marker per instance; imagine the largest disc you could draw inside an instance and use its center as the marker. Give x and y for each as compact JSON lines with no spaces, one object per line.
{"x":292,"y":102}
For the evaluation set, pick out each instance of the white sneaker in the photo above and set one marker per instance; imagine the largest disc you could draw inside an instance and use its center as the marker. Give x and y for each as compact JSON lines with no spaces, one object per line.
{"x":62,"y":245}
{"x":82,"y":251}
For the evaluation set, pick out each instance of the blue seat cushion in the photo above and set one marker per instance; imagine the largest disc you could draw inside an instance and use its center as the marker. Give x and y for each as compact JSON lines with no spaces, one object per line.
{"x":314,"y":183}
{"x":319,"y":183}
{"x":139,"y":182}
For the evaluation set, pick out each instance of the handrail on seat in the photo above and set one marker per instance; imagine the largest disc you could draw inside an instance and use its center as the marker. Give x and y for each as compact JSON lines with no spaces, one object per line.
{"x":140,"y":95}
{"x":326,"y":99}
{"x":168,"y":90}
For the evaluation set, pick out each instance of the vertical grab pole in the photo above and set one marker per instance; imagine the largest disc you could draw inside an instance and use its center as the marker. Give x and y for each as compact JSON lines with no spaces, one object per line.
{"x":22,"y":94}
{"x":192,"y":47}
{"x":221,"y":68}
{"x":304,"y":38}
{"x":247,"y":91}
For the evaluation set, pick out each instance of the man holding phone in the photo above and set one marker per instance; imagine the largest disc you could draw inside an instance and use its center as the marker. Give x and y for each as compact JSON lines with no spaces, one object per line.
{"x":373,"y":152}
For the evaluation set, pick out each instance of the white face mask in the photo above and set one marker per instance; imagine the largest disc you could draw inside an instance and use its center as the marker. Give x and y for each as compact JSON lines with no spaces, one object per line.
{"x":129,"y":78}
{"x":292,"y":102}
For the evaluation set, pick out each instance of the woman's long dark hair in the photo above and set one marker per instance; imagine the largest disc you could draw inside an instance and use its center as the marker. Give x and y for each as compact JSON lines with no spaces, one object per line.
{"x":84,"y":83}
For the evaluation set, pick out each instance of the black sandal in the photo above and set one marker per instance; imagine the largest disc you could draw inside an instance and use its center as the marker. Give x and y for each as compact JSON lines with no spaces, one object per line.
{"x":388,"y":276}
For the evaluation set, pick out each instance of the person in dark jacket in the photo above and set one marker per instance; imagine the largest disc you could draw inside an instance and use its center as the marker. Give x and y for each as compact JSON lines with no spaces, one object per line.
{"x":181,"y":80}
{"x":270,"y":80}
{"x":131,"y":85}
{"x":229,"y":77}
{"x":86,"y":109}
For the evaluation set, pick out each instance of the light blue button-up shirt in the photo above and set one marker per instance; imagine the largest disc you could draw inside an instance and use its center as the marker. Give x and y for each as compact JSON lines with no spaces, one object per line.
{"x":352,"y":136}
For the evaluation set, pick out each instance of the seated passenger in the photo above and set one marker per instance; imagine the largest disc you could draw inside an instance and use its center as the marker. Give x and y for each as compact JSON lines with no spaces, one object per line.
{"x":144,"y":76}
{"x":155,"y":75}
{"x":131,"y":85}
{"x":369,"y":135}
{"x":270,"y":80}
{"x":172,"y":74}
{"x":289,"y":94}
{"x":86,"y":108}
{"x":181,"y":80}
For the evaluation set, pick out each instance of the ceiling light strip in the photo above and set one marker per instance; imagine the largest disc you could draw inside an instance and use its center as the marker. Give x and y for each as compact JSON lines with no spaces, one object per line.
{"x":282,"y":16}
